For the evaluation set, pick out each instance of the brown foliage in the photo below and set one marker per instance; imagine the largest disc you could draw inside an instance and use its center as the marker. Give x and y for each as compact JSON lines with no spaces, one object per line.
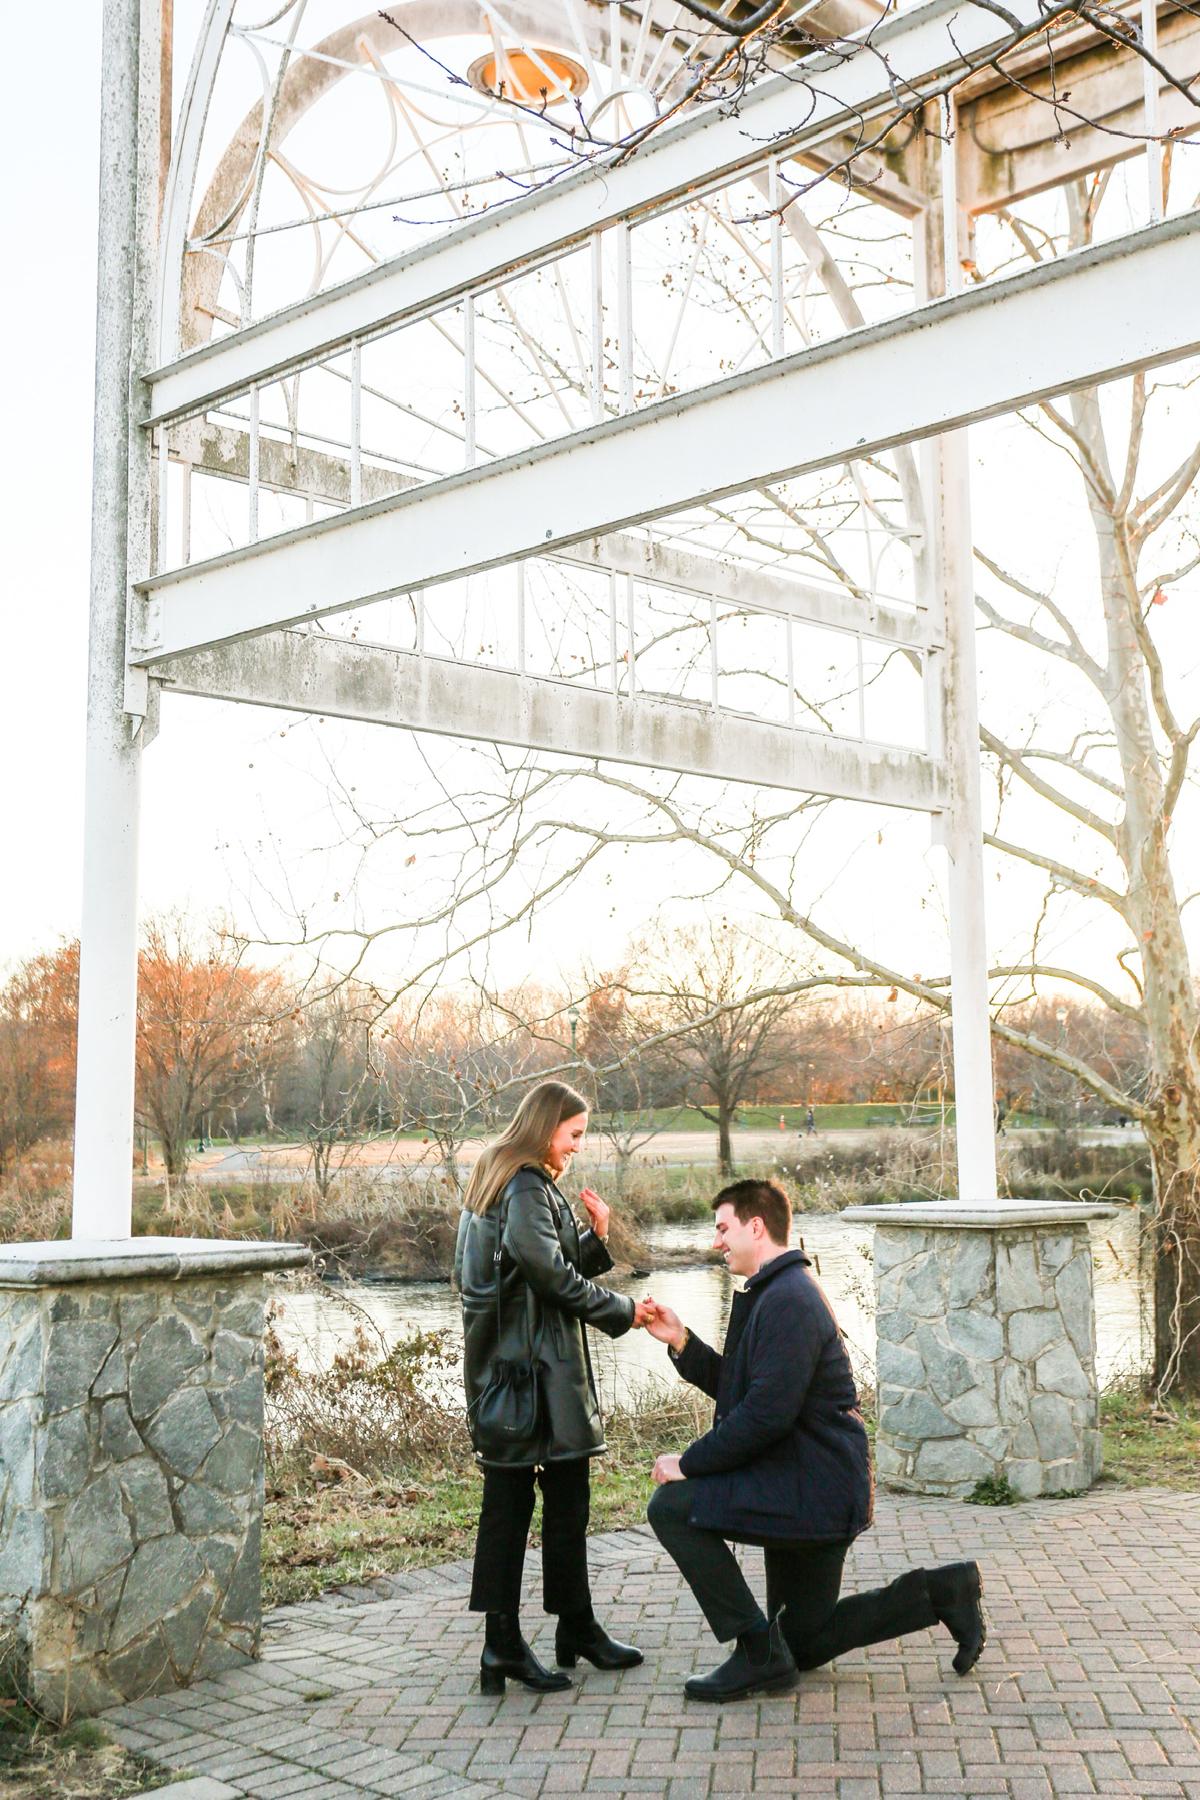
{"x":38,"y":1010}
{"x":207,"y":1025}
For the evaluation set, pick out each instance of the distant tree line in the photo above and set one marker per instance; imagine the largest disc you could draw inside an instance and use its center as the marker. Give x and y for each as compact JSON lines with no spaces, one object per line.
{"x":708,"y":1018}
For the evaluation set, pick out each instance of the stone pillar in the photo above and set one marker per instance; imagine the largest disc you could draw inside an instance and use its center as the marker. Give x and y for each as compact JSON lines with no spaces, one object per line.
{"x":131,"y":1462}
{"x":985,"y":1345}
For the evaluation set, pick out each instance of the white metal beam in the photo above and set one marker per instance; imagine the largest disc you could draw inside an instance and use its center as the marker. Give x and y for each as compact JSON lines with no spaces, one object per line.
{"x":826,"y":94}
{"x":220,"y":450}
{"x":336,"y":678}
{"x":1085,"y":318}
{"x":746,"y":585}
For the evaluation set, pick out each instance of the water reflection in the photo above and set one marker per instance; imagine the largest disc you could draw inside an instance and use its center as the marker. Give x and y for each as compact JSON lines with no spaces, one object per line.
{"x":314,"y":1323}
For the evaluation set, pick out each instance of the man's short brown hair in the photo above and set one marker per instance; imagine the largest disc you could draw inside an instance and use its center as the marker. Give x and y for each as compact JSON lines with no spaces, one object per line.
{"x":764,"y":1200}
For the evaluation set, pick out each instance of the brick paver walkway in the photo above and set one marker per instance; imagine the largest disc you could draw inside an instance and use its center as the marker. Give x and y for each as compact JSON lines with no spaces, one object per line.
{"x":1090,"y":1683}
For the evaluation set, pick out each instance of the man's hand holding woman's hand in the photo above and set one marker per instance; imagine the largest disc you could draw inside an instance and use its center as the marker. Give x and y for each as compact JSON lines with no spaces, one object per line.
{"x":643,"y":1313}
{"x":665,"y":1325}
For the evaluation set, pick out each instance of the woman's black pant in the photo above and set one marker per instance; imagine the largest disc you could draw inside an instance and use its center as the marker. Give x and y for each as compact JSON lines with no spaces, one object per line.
{"x":503,"y":1533}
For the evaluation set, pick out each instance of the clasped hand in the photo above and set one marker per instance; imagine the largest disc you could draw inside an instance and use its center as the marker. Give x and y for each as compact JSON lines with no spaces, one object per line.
{"x":662,"y":1322}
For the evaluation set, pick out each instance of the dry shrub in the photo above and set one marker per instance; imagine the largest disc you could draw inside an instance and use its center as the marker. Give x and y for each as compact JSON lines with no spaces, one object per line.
{"x":35,"y":1199}
{"x":375,"y":1407}
{"x":653,"y":1416}
{"x":896,"y":1165}
{"x":663,"y":1194}
{"x":402,"y":1225}
{"x":1058,"y":1165}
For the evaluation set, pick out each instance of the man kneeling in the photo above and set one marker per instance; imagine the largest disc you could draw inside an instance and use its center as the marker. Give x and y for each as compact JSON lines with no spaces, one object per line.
{"x":785,"y":1466}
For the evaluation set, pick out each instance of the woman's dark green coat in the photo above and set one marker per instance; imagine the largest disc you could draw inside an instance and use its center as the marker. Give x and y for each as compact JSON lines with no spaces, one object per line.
{"x":546,"y":1298}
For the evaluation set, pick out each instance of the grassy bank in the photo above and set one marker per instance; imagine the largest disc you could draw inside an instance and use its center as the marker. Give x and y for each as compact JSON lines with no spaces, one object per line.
{"x":1150,"y":1446}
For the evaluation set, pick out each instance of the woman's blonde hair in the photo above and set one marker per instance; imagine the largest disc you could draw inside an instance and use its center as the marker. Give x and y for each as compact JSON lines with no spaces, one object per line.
{"x":524,"y":1140}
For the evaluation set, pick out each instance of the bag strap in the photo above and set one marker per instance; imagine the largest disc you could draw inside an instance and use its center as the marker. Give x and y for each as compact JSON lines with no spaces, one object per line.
{"x":496,"y":1255}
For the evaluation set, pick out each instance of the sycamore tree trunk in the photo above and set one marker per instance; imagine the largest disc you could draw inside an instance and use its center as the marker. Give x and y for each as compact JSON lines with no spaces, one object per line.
{"x":1134,"y":690}
{"x":1174,"y":1136}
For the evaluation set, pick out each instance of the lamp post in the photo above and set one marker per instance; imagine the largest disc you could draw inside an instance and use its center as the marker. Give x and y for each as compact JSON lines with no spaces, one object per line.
{"x":573,"y":1022}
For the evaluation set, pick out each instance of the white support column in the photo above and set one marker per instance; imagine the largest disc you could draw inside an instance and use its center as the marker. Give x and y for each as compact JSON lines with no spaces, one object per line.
{"x":955,"y":712}
{"x":1150,"y":107}
{"x":974,"y":1108}
{"x":120,"y":529}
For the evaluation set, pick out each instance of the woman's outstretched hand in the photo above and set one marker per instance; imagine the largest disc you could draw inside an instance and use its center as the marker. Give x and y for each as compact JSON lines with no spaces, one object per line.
{"x":598,"y":1212}
{"x":643,"y":1313}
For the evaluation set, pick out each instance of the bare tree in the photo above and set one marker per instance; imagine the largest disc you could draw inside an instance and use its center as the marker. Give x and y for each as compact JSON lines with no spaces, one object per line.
{"x":457,"y":1060}
{"x":711,"y":996}
{"x":331,"y":1075}
{"x":636,"y":1090}
{"x":1090,"y":807}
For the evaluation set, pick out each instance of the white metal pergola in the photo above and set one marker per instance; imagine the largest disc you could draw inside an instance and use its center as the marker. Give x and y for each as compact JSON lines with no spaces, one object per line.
{"x":584,"y":474}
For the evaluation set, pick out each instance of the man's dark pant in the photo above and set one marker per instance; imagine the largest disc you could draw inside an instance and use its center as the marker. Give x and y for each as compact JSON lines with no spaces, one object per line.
{"x":504,"y":1531}
{"x":803,"y":1580}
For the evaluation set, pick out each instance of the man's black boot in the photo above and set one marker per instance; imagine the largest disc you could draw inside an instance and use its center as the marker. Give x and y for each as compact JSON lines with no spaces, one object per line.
{"x":955,"y":1593}
{"x":761,"y":1664}
{"x":581,"y":1634}
{"x":507,"y":1655}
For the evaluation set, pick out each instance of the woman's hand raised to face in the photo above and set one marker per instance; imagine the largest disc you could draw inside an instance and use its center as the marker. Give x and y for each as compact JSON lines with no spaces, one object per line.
{"x":598,"y":1212}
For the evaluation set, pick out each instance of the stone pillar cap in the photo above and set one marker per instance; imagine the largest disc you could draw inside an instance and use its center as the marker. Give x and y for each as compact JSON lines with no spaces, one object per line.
{"x":50,"y":1263}
{"x":981,"y":1215}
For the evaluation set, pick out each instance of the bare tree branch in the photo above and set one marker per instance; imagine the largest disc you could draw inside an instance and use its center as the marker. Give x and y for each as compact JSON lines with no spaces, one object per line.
{"x":1085,"y":885}
{"x":1014,"y":760}
{"x":1079,"y":654}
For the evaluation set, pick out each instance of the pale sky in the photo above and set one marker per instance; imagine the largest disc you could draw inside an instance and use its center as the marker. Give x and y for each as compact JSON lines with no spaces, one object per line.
{"x":222,"y":780}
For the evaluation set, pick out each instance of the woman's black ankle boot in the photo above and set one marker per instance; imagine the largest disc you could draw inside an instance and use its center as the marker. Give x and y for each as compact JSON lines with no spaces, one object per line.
{"x":581,"y":1634}
{"x":506,"y":1654}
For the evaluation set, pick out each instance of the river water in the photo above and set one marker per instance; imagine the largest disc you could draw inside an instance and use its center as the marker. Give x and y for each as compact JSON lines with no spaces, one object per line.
{"x":314,"y":1322}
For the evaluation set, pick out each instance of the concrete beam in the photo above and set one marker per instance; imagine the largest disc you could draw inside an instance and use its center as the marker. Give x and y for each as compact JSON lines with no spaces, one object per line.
{"x":1084,"y":318}
{"x":335,"y":678}
{"x":1012,"y":142}
{"x":224,"y":450}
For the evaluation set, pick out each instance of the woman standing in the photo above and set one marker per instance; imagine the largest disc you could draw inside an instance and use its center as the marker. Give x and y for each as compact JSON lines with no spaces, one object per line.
{"x":523,"y":1269}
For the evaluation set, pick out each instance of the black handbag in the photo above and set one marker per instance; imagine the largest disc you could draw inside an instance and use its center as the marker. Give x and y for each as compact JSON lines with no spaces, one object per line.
{"x":507,"y":1420}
